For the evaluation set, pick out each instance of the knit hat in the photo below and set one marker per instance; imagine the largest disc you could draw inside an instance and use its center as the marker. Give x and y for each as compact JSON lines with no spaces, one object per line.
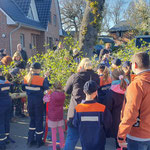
{"x":90,"y":87}
{"x":126,"y":64}
{"x":116,"y":62}
{"x":36,"y":65}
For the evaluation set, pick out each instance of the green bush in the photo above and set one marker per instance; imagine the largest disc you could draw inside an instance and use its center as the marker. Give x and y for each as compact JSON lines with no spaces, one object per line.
{"x":127,"y":51}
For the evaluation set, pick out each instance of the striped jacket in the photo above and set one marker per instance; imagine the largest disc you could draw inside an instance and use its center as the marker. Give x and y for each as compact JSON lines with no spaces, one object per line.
{"x":5,"y":87}
{"x":38,"y":85}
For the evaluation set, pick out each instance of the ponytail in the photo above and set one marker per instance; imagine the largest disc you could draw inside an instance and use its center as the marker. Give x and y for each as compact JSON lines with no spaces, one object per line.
{"x":118,"y":74}
{"x":123,"y":84}
{"x":105,"y":74}
{"x":29,"y":77}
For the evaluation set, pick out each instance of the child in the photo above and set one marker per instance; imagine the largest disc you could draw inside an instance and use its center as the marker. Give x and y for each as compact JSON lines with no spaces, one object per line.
{"x":105,"y":82}
{"x":5,"y":111}
{"x":34,"y":85}
{"x":55,"y":113}
{"x":92,"y":120}
{"x":116,"y":63}
{"x":105,"y":59}
{"x":126,"y":67}
{"x":114,"y":100}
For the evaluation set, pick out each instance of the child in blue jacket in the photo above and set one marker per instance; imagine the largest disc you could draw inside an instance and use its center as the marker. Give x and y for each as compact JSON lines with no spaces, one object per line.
{"x":5,"y":111}
{"x":92,"y":119}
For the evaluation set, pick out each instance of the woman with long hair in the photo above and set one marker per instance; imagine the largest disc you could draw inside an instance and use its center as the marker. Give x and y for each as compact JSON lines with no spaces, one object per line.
{"x":74,"y":87}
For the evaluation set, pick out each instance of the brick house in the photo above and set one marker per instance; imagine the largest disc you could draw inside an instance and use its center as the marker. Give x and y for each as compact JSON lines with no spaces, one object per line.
{"x":121,"y":32}
{"x":33,"y":23}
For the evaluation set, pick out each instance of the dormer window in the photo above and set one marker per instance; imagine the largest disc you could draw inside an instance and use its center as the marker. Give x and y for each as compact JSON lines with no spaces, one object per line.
{"x":32,"y":14}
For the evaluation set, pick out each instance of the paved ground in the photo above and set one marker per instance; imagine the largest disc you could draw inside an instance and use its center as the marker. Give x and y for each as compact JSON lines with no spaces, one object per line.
{"x":19,"y":131}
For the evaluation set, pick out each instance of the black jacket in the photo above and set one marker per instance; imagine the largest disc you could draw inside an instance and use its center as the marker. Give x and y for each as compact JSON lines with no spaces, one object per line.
{"x":24,"y":56}
{"x":75,"y":83}
{"x":114,"y":102}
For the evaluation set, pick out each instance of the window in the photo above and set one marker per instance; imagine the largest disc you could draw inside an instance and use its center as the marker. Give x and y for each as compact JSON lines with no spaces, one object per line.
{"x":55,"y":20}
{"x":50,"y":17}
{"x":50,"y":42}
{"x":22,"y":40}
{"x":30,"y":14}
{"x":120,"y":34}
{"x":34,"y":41}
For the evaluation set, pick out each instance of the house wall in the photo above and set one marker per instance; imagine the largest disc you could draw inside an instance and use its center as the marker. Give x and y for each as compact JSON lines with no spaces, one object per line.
{"x":4,"y":41}
{"x":126,"y":36}
{"x":53,"y":30}
{"x":41,"y":36}
{"x":27,"y":32}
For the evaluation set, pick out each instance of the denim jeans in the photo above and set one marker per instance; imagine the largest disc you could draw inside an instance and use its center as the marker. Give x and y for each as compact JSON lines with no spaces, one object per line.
{"x":137,"y":145}
{"x":72,"y":138}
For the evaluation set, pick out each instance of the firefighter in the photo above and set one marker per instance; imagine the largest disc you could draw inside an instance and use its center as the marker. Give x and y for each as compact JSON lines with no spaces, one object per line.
{"x":34,"y":85}
{"x":5,"y":111}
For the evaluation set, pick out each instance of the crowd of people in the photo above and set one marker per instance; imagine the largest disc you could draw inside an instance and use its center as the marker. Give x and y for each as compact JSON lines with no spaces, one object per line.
{"x":109,"y":100}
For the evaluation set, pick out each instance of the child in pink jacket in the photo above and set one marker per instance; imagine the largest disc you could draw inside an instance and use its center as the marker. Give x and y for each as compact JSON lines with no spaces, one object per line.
{"x":55,"y":113}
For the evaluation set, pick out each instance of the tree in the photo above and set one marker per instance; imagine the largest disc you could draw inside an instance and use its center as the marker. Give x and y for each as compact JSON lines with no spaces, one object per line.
{"x":117,"y":10}
{"x":106,"y":23}
{"x":72,"y":13}
{"x":90,"y":26}
{"x":113,"y":13}
{"x":138,"y":16}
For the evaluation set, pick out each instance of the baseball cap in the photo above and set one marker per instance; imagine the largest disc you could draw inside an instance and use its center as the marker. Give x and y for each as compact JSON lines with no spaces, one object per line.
{"x":90,"y":87}
{"x":36,"y":65}
{"x":116,"y":62}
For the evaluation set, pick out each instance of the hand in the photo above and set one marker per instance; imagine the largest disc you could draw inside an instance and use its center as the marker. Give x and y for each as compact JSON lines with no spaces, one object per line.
{"x":122,"y":144}
{"x":47,"y":74}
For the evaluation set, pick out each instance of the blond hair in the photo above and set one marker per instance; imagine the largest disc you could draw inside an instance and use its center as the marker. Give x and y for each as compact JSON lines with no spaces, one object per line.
{"x":16,"y":54}
{"x":106,"y":74}
{"x":30,"y":75}
{"x":85,"y":64}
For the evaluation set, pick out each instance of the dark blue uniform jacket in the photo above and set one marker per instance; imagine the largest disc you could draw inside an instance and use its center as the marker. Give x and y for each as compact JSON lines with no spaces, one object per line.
{"x":92,"y":119}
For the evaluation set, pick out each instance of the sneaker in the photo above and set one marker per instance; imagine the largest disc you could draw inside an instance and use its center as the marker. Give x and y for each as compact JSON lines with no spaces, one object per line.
{"x":58,"y":147}
{"x":30,"y":144}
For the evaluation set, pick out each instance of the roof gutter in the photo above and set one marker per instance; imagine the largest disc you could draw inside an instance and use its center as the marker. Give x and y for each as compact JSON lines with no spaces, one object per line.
{"x":10,"y":38}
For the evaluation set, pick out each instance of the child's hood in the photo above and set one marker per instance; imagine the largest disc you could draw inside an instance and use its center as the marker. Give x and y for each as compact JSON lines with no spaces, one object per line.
{"x":115,"y":86}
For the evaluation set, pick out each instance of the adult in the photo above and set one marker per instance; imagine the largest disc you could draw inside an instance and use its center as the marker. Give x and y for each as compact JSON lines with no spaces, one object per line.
{"x":135,"y":124}
{"x":6,"y":60}
{"x":74,"y":86}
{"x":23,"y":53}
{"x":106,"y":50}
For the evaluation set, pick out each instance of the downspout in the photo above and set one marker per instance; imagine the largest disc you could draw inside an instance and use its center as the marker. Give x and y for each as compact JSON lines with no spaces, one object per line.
{"x":10,"y":36}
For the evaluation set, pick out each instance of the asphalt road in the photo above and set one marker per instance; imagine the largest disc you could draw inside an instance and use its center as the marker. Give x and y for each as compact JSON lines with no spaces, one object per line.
{"x":19,"y":130}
